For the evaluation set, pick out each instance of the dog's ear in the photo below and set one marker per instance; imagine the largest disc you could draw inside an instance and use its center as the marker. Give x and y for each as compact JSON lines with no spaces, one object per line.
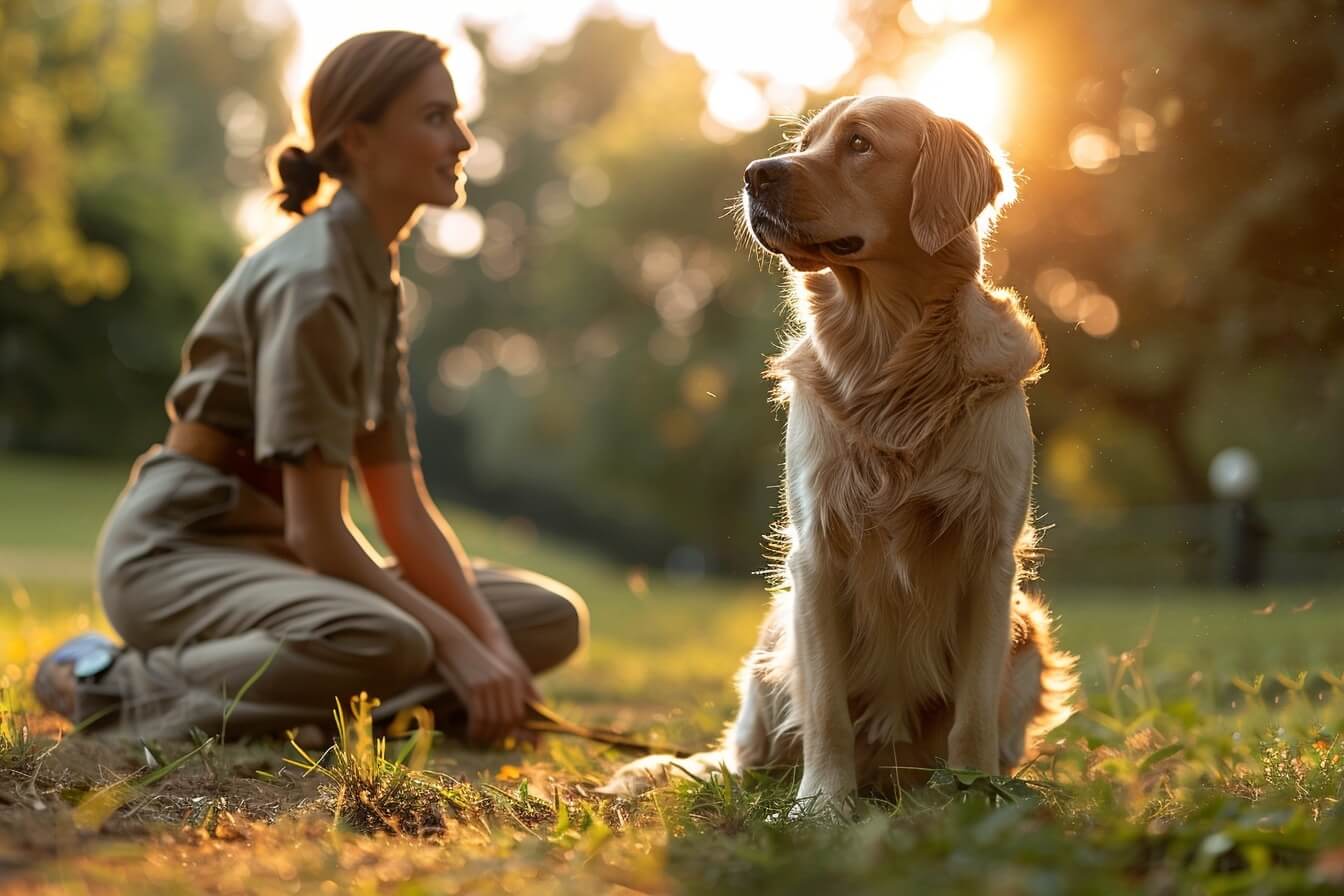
{"x":955,"y":178}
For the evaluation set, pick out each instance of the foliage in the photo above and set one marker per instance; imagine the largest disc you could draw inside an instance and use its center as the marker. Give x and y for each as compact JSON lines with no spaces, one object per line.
{"x":18,"y":749}
{"x":1211,"y":227}
{"x":652,"y":330}
{"x":59,"y":74}
{"x":127,"y":157}
{"x":611,"y":333}
{"x":1206,"y":221}
{"x":368,"y":791}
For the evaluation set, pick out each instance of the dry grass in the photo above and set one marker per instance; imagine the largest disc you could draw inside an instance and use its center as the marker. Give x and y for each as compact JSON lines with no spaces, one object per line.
{"x":1210,"y":759}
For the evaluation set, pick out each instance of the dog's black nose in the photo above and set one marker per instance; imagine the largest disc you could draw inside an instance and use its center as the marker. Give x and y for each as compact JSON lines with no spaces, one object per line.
{"x":762,"y":174}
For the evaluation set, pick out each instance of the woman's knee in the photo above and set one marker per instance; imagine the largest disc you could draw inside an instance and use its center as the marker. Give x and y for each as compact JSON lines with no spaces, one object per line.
{"x":557,"y":630}
{"x":391,"y":649}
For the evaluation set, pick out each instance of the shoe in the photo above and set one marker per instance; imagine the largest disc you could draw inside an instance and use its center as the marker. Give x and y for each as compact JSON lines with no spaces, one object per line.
{"x":82,"y":657}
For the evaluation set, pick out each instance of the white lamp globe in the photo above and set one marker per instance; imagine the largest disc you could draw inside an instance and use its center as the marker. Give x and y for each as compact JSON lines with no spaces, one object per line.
{"x":1234,"y":474}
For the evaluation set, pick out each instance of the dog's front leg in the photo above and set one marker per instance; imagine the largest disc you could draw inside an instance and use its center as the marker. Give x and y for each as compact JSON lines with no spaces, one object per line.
{"x":984,"y":637}
{"x":821,"y":690}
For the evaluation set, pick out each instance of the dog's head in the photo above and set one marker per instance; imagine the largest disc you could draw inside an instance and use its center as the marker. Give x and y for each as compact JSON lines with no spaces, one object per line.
{"x":872,"y":179}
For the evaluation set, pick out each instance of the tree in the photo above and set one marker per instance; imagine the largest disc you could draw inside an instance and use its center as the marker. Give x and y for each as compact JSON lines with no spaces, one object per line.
{"x":1183,"y":162}
{"x":646,"y":422}
{"x":125,"y":198}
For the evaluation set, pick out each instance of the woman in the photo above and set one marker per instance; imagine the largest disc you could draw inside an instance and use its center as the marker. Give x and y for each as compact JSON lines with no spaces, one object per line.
{"x":231,"y":549}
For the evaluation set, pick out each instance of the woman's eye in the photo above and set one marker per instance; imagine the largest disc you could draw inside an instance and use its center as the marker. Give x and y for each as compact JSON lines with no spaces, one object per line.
{"x":435,"y":118}
{"x":859,"y":144}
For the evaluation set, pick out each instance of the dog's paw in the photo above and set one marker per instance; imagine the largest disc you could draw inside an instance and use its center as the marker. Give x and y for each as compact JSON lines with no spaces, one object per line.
{"x":651,"y":772}
{"x":972,"y":749}
{"x":828,"y":793}
{"x":821,"y":807}
{"x":638,"y":777}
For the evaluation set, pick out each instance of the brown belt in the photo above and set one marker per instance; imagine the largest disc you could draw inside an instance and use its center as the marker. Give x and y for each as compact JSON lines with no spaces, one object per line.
{"x":226,"y":452}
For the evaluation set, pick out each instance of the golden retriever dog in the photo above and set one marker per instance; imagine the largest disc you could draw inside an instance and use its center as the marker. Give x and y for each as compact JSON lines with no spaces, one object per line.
{"x":900,"y":636}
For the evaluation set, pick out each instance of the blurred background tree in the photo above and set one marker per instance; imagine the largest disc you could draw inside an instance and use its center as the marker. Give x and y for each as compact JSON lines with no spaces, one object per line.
{"x":116,"y":207}
{"x":588,"y":339}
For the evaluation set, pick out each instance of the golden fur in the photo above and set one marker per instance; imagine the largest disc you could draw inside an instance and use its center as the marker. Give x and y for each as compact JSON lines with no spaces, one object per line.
{"x":900,"y":635}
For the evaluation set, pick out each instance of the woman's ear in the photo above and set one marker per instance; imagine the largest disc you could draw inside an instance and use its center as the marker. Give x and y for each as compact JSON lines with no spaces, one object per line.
{"x":955,"y":179}
{"x":354,"y":143}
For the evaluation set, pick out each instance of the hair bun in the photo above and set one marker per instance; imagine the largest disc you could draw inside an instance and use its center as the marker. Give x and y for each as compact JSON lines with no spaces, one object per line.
{"x":300,"y":175}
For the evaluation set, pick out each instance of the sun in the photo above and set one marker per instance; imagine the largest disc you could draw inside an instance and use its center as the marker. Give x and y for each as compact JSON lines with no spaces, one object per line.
{"x":964,"y":77}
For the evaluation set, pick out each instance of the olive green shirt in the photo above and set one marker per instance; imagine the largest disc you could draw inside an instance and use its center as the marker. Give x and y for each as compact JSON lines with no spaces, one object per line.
{"x":304,"y":346}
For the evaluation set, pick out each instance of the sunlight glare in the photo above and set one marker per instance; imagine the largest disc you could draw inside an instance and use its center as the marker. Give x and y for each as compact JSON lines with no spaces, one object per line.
{"x":810,"y":47}
{"x":321,"y":29}
{"x":936,"y":12}
{"x":963,"y":79}
{"x":256,"y":218}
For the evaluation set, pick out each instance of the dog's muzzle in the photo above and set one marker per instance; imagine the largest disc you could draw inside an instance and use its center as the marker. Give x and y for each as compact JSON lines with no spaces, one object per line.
{"x":767,"y":182}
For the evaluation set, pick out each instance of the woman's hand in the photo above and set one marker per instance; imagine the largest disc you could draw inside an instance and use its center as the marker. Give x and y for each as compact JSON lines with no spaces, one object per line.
{"x":501,"y":645}
{"x":494,"y":684}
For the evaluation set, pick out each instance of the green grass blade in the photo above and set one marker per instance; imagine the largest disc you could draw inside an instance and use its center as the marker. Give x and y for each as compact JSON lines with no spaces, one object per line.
{"x":246,"y":687}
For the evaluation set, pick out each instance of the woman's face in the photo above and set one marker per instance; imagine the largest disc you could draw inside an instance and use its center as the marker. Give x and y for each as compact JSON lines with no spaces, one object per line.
{"x":413,"y":153}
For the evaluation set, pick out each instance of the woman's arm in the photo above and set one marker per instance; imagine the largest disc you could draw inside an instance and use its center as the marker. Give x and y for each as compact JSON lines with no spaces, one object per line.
{"x":318,"y":530}
{"x":427,"y":550}
{"x":431,"y":557}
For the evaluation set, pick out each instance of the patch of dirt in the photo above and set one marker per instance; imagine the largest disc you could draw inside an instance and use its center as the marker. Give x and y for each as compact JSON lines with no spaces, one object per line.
{"x":241,"y":816}
{"x":38,"y":796}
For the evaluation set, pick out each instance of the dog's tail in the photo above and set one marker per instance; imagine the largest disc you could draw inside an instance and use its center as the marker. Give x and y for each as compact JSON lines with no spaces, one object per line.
{"x":1042,"y":683}
{"x":650,"y":772}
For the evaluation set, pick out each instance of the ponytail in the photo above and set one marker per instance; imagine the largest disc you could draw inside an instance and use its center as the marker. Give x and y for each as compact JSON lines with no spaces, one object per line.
{"x":299,"y":176}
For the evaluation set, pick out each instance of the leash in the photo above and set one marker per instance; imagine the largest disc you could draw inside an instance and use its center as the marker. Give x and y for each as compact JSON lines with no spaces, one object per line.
{"x":544,"y":719}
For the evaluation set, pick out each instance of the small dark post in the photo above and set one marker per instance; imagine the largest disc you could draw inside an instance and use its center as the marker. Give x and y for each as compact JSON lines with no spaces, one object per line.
{"x":1234,"y":476}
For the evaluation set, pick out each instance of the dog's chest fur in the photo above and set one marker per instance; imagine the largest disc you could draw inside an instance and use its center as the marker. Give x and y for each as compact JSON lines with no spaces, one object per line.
{"x":899,"y":472}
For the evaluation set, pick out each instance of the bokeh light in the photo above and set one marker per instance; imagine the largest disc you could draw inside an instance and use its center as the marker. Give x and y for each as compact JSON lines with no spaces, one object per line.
{"x":734,"y":101}
{"x":1093,"y":149}
{"x":458,"y":232}
{"x":460,"y":367}
{"x":589,"y":186}
{"x":486,"y":163}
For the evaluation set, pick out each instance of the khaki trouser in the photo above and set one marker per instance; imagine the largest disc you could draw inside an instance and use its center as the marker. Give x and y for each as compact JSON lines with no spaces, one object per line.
{"x":195,"y":575}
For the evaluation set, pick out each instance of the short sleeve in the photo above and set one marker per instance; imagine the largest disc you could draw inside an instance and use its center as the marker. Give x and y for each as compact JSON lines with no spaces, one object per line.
{"x":304,"y":386}
{"x":393,"y":440}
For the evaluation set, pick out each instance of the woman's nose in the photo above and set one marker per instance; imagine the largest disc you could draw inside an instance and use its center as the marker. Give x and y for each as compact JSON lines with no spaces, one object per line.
{"x":466,"y":140}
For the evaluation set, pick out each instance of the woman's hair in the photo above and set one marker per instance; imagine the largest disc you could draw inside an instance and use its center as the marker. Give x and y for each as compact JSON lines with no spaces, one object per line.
{"x":356,"y":82}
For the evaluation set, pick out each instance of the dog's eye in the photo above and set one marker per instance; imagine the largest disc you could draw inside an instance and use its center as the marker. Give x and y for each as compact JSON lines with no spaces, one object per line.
{"x":859,"y":144}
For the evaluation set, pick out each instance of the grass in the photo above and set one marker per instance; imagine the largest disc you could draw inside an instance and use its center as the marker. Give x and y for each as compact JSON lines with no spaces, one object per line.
{"x":1210,"y":757}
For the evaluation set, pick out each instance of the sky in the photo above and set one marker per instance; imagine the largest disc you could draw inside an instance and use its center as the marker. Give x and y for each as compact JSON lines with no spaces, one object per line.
{"x":757,"y":61}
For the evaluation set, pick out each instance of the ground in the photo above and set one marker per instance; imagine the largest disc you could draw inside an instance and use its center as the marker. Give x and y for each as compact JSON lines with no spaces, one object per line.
{"x":1208,"y":757}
